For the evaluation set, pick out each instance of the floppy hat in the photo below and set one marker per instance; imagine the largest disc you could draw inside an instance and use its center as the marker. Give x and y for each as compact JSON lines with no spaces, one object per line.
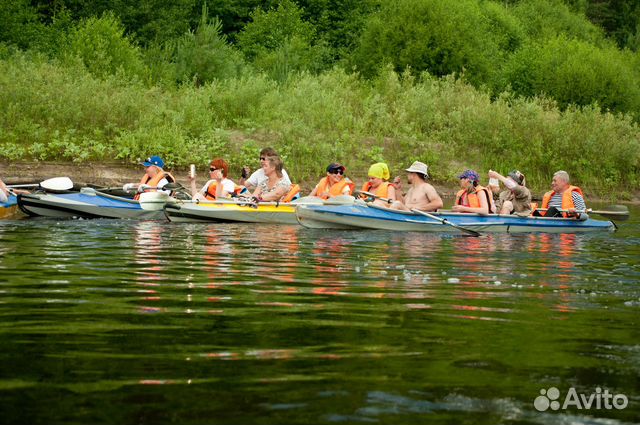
{"x":470,"y":174}
{"x":153,"y":160}
{"x":418,"y":167}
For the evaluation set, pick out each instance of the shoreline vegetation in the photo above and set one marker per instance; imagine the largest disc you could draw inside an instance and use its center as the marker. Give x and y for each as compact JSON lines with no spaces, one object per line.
{"x":82,"y":100}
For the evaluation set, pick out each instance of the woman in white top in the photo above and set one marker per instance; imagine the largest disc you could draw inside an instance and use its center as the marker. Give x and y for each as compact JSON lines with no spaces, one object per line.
{"x":219,"y":186}
{"x":259,"y":175}
{"x":275,"y":187}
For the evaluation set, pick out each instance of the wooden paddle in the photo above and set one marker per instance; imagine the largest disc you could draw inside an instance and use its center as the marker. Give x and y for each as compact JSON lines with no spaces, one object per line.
{"x":426,"y":214}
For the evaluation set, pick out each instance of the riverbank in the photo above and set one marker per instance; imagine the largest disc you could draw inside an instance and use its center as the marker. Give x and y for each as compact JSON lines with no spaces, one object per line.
{"x":59,"y":112}
{"x":117,"y":173}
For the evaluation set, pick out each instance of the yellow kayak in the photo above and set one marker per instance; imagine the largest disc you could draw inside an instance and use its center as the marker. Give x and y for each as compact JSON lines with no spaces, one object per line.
{"x":219,"y":212}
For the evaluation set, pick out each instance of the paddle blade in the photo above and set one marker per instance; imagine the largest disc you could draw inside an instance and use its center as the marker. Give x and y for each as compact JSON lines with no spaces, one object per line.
{"x":614,"y":212}
{"x":57,"y":183}
{"x":153,"y":201}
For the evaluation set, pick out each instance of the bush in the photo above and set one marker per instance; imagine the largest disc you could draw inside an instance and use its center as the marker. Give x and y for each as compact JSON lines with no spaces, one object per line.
{"x":575,"y":72}
{"x":279,"y":42}
{"x":103,"y":48}
{"x":204,"y":55}
{"x":550,"y":18}
{"x":437,"y":36}
{"x":52,"y":111}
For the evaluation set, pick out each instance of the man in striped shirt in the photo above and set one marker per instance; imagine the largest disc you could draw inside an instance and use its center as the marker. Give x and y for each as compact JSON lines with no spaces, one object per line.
{"x":563,"y":196}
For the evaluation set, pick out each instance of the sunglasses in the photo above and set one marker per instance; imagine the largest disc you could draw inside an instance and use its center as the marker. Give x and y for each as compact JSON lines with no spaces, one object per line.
{"x":263,"y":158}
{"x":212,"y":169}
{"x":339,"y":171}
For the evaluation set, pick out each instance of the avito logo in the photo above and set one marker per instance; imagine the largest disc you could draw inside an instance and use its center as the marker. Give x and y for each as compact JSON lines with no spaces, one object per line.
{"x":549,"y":398}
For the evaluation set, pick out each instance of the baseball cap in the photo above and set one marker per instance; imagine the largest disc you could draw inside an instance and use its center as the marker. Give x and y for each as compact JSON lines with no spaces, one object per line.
{"x":153,"y":160}
{"x":335,"y":166}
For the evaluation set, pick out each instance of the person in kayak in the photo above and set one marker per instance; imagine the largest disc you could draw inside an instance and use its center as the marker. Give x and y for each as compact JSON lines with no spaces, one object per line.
{"x":516,"y":198}
{"x":334,"y":184}
{"x":562,"y":196}
{"x":379,"y":185}
{"x":472,"y":197}
{"x":259,"y":175}
{"x":218,"y":186}
{"x":154,"y":176}
{"x":421,"y":195}
{"x":275,"y":187}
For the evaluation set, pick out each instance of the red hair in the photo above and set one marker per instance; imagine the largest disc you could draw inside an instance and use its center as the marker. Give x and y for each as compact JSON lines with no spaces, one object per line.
{"x":220,"y":164}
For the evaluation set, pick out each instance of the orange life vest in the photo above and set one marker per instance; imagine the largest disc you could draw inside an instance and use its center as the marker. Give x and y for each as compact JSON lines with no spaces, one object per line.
{"x":473,"y":200}
{"x":382,"y":191}
{"x":295,"y":189}
{"x":153,"y":182}
{"x":210,"y":193}
{"x":325,"y":191}
{"x":567,"y":198}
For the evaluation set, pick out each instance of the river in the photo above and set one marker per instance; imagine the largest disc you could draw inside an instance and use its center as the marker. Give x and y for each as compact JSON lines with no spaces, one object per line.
{"x":125,"y":322}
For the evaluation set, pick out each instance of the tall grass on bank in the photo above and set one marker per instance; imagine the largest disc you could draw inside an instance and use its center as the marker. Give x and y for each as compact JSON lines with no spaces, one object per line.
{"x":55,"y":111}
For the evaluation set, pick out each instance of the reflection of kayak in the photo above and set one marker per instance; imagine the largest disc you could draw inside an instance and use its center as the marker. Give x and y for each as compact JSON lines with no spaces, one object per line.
{"x":374,"y":217}
{"x":230,"y":212}
{"x":88,"y":203}
{"x":10,"y":208}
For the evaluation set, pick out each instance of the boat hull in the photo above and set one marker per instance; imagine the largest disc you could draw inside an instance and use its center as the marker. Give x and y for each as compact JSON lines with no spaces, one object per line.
{"x":84,"y":205}
{"x":230,"y":213}
{"x":379,"y":218}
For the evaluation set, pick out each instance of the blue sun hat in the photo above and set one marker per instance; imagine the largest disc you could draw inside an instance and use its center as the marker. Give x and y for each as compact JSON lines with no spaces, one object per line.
{"x":153,"y":160}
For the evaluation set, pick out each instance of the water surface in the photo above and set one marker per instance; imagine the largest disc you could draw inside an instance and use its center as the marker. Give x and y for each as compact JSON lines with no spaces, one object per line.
{"x":125,"y":322}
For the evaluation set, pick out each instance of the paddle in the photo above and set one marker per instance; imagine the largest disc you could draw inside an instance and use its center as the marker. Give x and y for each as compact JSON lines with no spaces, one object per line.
{"x":613,"y":212}
{"x":426,"y":214}
{"x":153,"y":201}
{"x":445,"y":221}
{"x":55,"y":183}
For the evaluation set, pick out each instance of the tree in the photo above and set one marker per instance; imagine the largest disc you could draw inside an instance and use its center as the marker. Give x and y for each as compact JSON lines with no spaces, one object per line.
{"x":204,"y":54}
{"x":437,"y":36}
{"x":278,"y":42}
{"x":103,"y":47}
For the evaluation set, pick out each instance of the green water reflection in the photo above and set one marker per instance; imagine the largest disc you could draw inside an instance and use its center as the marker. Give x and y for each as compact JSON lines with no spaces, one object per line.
{"x":148,"y":322}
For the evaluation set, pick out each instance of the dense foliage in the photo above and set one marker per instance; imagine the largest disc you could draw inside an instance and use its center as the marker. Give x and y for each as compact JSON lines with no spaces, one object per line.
{"x":537,"y":84}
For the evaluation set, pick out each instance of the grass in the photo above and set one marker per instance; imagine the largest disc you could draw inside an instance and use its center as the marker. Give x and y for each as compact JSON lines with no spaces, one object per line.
{"x":56,"y":111}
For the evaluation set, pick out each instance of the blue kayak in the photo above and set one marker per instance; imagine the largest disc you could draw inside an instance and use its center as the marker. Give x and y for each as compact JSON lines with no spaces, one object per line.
{"x":359,"y":216}
{"x":88,"y":203}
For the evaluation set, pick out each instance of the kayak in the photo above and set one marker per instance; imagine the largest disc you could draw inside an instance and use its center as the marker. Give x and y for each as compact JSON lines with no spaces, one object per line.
{"x":190,"y":211}
{"x":88,"y":203}
{"x":10,"y":208}
{"x":240,"y":210}
{"x":359,"y":216}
